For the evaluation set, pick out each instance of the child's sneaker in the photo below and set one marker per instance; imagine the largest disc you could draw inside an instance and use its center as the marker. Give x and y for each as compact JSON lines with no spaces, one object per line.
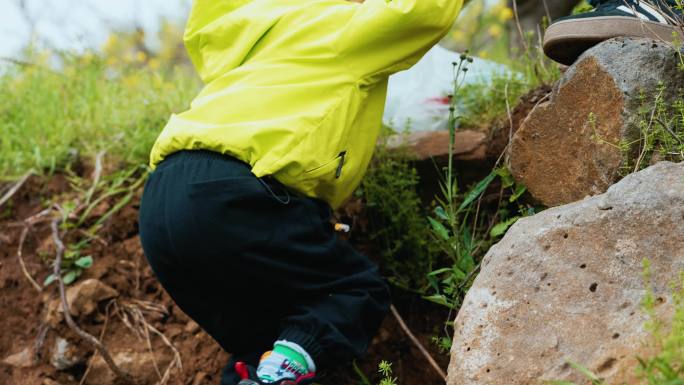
{"x":249,"y":377}
{"x":567,"y":38}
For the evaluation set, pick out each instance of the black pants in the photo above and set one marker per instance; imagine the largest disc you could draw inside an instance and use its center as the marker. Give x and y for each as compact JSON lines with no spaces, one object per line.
{"x":251,"y":262}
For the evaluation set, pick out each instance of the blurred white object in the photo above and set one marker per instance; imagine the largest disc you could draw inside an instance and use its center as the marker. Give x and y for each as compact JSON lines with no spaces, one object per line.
{"x":417,"y":99}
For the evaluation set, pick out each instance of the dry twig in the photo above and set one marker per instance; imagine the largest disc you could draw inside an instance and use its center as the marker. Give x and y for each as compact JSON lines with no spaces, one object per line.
{"x":28,"y":224}
{"x":97,"y":173}
{"x":20,"y":248}
{"x":132,"y":315}
{"x":15,"y":188}
{"x":67,"y":315}
{"x":102,"y":334}
{"x":415,"y":341}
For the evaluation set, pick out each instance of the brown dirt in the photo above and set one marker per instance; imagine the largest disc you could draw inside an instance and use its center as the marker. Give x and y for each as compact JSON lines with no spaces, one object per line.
{"x":119,"y":262}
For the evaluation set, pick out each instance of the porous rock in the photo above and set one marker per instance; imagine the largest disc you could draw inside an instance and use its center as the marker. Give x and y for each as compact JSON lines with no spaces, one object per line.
{"x":565,"y":285}
{"x":568,"y":147}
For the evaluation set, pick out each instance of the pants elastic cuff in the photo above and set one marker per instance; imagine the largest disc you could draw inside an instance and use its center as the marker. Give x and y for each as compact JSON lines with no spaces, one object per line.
{"x":303,"y":339}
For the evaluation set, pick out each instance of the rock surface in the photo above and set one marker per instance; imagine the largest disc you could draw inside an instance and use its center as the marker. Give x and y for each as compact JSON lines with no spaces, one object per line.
{"x":561,"y":153}
{"x":566,"y":285}
{"x":83,"y":299}
{"x":424,"y":145}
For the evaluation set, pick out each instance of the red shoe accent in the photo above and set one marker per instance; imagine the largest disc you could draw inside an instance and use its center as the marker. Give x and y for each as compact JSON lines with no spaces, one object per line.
{"x":305,"y":377}
{"x":241,"y":370}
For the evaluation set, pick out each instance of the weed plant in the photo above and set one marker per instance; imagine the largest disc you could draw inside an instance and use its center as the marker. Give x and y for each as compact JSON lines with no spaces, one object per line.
{"x":53,"y":114}
{"x":460,"y":228}
{"x":660,"y":128}
{"x":397,"y":217}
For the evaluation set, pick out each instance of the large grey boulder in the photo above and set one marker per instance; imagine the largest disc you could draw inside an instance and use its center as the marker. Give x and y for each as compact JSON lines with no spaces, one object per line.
{"x":566,"y":285}
{"x":569,"y":146}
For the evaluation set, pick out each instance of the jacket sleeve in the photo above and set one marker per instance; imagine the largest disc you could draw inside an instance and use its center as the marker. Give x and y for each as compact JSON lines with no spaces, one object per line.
{"x":387,"y":36}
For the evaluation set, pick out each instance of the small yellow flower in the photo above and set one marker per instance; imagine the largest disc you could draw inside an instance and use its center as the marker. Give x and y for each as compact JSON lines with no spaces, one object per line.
{"x":458,"y":35}
{"x":483,"y":54}
{"x":111,"y":42}
{"x":131,"y":81}
{"x":505,"y":14}
{"x":140,"y":56}
{"x":154,"y":63}
{"x":495,"y":31}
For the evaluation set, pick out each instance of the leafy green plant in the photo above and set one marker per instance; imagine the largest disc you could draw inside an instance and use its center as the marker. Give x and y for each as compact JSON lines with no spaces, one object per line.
{"x":84,"y":210}
{"x":385,"y":369}
{"x":397,"y":218}
{"x":666,"y":365}
{"x":456,"y":222}
{"x":72,"y":267}
{"x":462,"y":228}
{"x":482,"y":102}
{"x":658,"y":132}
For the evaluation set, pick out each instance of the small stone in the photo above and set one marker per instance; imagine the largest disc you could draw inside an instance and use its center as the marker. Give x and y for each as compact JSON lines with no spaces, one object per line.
{"x":199,"y":378}
{"x":84,"y":296}
{"x":64,"y":355}
{"x":50,"y":381}
{"x":83,"y":299}
{"x":23,"y":359}
{"x":192,"y":327}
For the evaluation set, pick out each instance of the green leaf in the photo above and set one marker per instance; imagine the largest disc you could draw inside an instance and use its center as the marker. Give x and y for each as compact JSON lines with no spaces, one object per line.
{"x":501,"y":228}
{"x":441,"y":213}
{"x":438,"y":299}
{"x":84,"y":262}
{"x":466,"y":263}
{"x":439,"y":229}
{"x":477,"y":191}
{"x":506,"y":178}
{"x":459,"y":274}
{"x":439,"y":271}
{"x":519,"y":191}
{"x":50,"y":278}
{"x":467,"y":239}
{"x":71,"y":276}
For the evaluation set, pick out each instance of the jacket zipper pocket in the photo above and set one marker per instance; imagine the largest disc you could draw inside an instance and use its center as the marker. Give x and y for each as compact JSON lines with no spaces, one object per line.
{"x":338,"y":173}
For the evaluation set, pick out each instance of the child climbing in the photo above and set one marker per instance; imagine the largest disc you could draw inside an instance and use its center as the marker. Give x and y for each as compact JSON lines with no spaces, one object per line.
{"x":236,"y":217}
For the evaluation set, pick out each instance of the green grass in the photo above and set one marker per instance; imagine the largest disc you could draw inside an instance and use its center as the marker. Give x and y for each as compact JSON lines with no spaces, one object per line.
{"x":51,"y":117}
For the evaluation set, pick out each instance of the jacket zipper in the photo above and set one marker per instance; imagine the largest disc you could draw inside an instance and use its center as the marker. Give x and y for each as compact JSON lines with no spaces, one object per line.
{"x":338,"y":173}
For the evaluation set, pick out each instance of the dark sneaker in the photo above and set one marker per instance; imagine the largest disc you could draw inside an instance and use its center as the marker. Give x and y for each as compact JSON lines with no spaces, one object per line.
{"x":567,"y":38}
{"x":249,"y":377}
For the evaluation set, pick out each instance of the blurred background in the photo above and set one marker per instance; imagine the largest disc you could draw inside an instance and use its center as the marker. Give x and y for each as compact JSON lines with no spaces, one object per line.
{"x":108,"y":73}
{"x":486,"y":27}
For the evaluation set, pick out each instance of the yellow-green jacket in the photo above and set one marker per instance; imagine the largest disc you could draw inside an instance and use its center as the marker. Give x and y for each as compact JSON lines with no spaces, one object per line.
{"x":296,"y":88}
